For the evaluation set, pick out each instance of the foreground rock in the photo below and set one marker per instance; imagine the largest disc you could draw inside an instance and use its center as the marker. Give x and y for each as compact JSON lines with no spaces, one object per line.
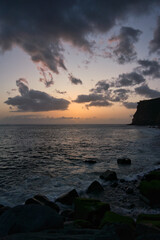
{"x":109,"y":175}
{"x":95,"y":187}
{"x":124,"y":161}
{"x":90,"y":210}
{"x":150,"y":188}
{"x":68,"y":198}
{"x":29,"y":218}
{"x":42,"y":200}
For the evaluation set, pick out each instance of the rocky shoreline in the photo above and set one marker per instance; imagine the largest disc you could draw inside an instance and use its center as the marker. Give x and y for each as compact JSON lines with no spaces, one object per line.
{"x":112,"y":211}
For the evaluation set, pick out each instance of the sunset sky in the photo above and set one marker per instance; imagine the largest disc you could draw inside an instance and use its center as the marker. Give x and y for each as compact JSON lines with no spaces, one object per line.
{"x":72,"y":61}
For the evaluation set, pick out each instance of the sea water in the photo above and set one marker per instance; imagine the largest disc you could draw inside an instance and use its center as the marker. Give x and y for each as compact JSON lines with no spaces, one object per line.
{"x":50,"y":159}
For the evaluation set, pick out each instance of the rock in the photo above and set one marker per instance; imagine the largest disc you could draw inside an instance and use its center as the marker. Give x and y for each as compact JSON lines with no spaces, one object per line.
{"x":124,"y":161}
{"x":109,"y":175}
{"x":1,"y":206}
{"x":68,"y":198}
{"x":80,"y":223}
{"x":95,"y":187}
{"x":154,"y":175}
{"x":45,"y":201}
{"x":111,"y":217}
{"x":32,"y":201}
{"x":90,"y":209}
{"x":29,"y":218}
{"x":115,"y":184}
{"x":146,"y":232}
{"x":122,"y":180}
{"x":90,"y":161}
{"x":149,"y":219}
{"x":3,"y":209}
{"x":148,"y":113}
{"x":68,"y":214}
{"x":129,"y":190}
{"x":151,"y":191}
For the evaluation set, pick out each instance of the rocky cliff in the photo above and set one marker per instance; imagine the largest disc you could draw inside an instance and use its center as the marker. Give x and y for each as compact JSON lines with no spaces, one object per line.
{"x":148,"y":113}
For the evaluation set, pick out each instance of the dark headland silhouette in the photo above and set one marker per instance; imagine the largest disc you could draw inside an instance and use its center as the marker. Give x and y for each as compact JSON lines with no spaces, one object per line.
{"x":148,"y":113}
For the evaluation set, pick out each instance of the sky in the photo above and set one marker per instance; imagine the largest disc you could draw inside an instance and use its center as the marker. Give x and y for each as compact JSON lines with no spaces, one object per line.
{"x":77,"y":62}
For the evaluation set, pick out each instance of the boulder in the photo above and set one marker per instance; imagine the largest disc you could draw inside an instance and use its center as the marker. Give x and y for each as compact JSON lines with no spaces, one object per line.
{"x":45,"y":201}
{"x":29,"y":218}
{"x":114,"y":218}
{"x":149,"y":219}
{"x":32,"y":201}
{"x":124,"y":161}
{"x":95,"y":187}
{"x":80,"y":223}
{"x":154,"y":175}
{"x":109,"y":175}
{"x":68,"y":214}
{"x":129,"y":190}
{"x":90,"y":209}
{"x":151,"y":191}
{"x":68,"y":198}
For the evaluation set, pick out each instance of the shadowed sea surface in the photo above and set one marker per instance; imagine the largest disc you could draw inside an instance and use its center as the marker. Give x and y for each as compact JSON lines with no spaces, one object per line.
{"x":50,"y":159}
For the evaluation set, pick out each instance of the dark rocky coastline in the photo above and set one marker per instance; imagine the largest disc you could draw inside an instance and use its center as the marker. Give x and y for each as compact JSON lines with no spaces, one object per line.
{"x":148,"y":113}
{"x":96,"y":214}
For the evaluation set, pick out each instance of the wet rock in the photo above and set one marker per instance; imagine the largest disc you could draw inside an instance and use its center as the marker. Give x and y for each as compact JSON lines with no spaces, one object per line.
{"x":29,"y":218}
{"x":151,"y":191}
{"x":95,"y":187}
{"x":68,"y":214}
{"x":32,"y":201}
{"x":109,"y":175}
{"x":115,"y":184}
{"x":124,"y":161}
{"x":129,"y":190}
{"x":3,"y":209}
{"x":45,"y":201}
{"x":149,"y":219}
{"x":154,"y":175}
{"x":111,"y":217}
{"x":90,"y":209}
{"x":68,"y":198}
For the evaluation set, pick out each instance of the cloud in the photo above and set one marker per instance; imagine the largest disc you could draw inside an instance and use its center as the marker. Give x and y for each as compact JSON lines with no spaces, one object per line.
{"x":61,"y":92}
{"x":39,"y":27}
{"x":145,"y":91}
{"x":124,"y":51}
{"x":119,"y":95}
{"x":34,"y":100}
{"x":155,"y":42}
{"x":130,"y":105}
{"x":101,"y":86}
{"x":103,"y":103}
{"x":129,"y":79}
{"x":74,"y":80}
{"x":47,"y":77}
{"x":149,"y":68}
{"x":88,"y":98}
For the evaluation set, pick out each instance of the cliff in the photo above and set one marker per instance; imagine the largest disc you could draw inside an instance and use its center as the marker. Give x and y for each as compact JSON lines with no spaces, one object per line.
{"x":148,"y":113}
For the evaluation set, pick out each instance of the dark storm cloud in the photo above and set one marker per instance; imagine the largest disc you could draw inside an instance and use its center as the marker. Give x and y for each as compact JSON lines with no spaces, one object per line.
{"x":149,"y":68}
{"x":130,"y":105}
{"x":124,"y":51}
{"x":155,"y":42}
{"x":74,"y":80}
{"x":129,"y":79}
{"x":100,"y":87}
{"x":88,"y":98}
{"x":145,"y":91}
{"x":35,"y":101}
{"x":38,"y":27}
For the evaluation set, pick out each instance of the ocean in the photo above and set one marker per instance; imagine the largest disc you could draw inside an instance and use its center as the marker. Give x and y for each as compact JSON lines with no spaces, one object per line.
{"x":50,"y":159}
